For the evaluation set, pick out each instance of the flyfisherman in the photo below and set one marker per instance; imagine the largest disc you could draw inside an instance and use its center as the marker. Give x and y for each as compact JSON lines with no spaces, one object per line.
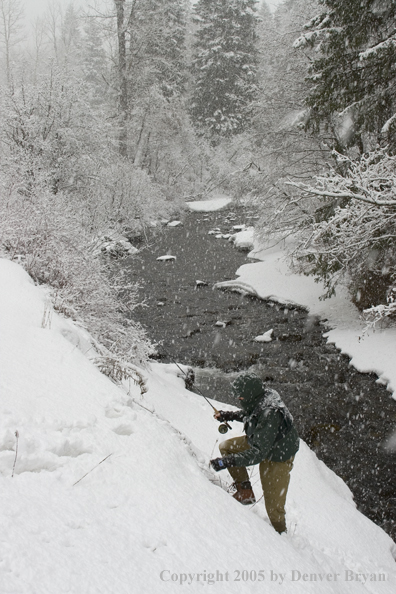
{"x":271,"y":440}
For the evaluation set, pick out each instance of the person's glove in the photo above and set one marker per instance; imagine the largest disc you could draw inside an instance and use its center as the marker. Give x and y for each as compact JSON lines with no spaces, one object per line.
{"x":224,"y":415}
{"x":219,"y":416}
{"x":222,"y":463}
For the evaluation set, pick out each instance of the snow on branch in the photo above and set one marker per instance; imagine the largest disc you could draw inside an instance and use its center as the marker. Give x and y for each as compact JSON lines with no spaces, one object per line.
{"x":343,"y":230}
{"x":320,"y":26}
{"x":318,"y":21}
{"x":385,"y":128}
{"x":391,"y":41}
{"x":377,"y":313}
{"x":371,"y":180}
{"x":306,"y":39}
{"x":310,"y":37}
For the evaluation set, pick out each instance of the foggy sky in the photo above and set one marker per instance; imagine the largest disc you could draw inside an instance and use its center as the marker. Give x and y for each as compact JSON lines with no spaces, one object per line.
{"x":34,"y":8}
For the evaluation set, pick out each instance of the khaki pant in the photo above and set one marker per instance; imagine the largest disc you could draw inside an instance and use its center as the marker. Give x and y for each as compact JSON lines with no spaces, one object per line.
{"x":275,"y":478}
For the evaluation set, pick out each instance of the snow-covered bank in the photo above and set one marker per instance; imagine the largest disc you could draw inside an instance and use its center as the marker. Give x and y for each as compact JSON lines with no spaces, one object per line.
{"x":374,"y":351}
{"x":112,"y":491}
{"x":209,"y":205}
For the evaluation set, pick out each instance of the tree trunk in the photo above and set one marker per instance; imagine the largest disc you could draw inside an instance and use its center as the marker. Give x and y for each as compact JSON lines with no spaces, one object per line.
{"x":122,"y":78}
{"x":11,"y":14}
{"x":142,"y":146}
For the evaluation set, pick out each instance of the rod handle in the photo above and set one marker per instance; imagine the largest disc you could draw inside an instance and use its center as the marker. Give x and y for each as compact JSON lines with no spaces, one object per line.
{"x":225,"y":422}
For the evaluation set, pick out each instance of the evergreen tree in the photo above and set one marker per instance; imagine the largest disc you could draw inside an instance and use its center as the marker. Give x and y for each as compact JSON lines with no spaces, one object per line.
{"x":157,"y":68}
{"x":354,"y":74}
{"x":94,"y":61}
{"x":283,"y":148}
{"x":224,"y":66}
{"x":151,"y":70}
{"x":70,"y":36}
{"x":158,"y":44}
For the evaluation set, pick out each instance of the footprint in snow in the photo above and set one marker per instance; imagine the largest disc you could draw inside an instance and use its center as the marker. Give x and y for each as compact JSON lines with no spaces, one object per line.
{"x":124,"y":429}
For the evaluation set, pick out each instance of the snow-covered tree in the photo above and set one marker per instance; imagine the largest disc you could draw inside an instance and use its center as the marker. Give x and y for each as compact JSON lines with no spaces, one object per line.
{"x":11,"y":15}
{"x":94,"y":62}
{"x":157,"y":68}
{"x":53,"y":19}
{"x":157,"y":44}
{"x":38,"y":47}
{"x":51,"y":134}
{"x":151,"y":70}
{"x":347,"y":228}
{"x":224,"y":66}
{"x":70,"y":36}
{"x":283,"y":148}
{"x":353,"y":78}
{"x":122,"y":19}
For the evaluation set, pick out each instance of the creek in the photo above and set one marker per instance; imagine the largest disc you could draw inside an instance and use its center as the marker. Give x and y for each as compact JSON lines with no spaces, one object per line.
{"x":343,"y":415}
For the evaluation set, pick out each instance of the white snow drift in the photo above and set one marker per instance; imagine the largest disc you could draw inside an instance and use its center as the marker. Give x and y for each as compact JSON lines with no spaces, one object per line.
{"x":112,"y":491}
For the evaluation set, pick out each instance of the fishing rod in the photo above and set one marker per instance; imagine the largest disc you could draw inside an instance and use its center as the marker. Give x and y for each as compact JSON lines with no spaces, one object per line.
{"x":223,"y":427}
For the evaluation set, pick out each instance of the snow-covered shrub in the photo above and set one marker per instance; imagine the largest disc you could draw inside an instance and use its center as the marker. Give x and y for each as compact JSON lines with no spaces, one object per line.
{"x":45,"y":233}
{"x":347,"y":228}
{"x":168,"y":148}
{"x":125,"y":197}
{"x":121,"y":371}
{"x":63,"y":185}
{"x":53,"y":137}
{"x":229,"y":169}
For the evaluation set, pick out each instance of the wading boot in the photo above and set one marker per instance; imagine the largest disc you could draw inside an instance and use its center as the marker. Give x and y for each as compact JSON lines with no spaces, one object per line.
{"x":244,"y":493}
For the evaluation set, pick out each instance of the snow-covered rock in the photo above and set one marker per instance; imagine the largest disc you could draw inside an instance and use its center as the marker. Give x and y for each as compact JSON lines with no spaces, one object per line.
{"x":166,"y":258}
{"x":237,"y":286}
{"x":114,"y":244}
{"x":266,"y":337}
{"x":244,"y":239}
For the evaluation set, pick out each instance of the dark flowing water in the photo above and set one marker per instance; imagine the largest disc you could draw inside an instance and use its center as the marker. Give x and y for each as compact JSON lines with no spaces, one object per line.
{"x":343,"y":415}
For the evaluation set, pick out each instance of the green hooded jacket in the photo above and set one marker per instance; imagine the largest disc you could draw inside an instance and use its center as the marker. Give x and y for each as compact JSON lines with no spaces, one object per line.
{"x":267,"y":422}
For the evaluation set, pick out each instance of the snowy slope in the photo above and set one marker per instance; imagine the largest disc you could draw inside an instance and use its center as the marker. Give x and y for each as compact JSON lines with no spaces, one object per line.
{"x":149,"y":517}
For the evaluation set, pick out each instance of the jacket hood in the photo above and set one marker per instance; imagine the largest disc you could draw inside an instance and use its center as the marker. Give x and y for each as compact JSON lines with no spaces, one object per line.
{"x":249,"y":387}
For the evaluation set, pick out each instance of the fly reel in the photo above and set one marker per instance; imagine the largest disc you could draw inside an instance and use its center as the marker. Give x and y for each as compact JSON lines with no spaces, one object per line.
{"x":223,"y":428}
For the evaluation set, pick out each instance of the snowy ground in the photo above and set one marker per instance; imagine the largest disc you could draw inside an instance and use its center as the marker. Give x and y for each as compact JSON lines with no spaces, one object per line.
{"x":110,"y":491}
{"x":209,"y":205}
